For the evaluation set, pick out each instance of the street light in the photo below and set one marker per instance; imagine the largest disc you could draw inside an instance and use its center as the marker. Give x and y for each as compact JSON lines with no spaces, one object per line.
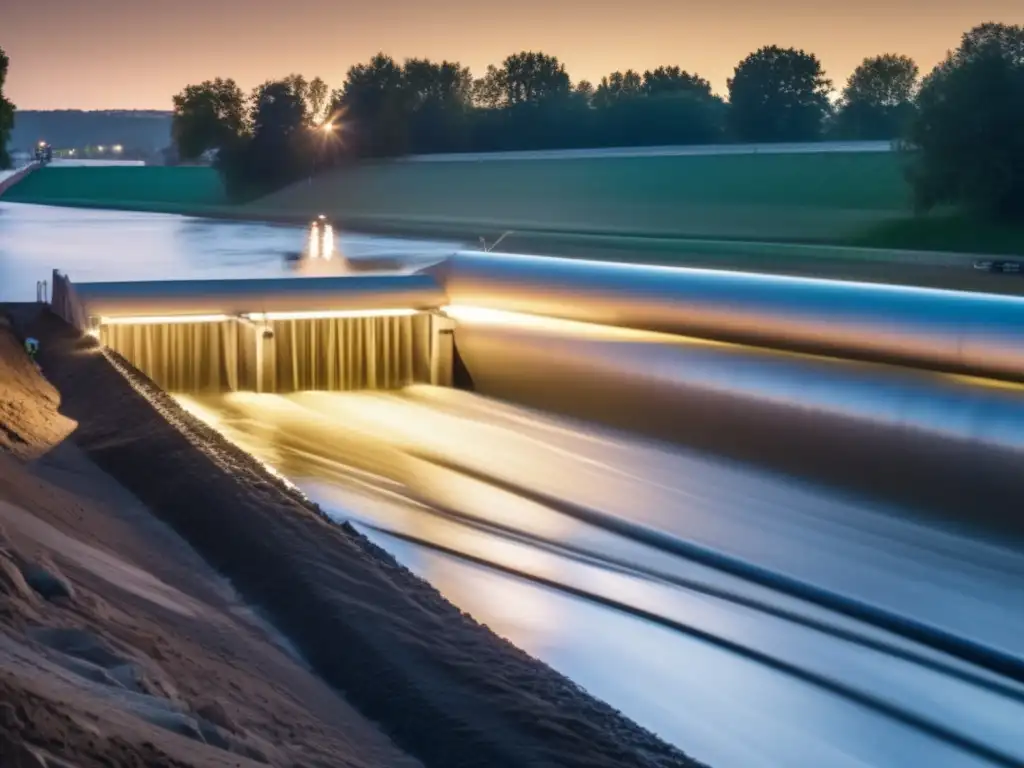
{"x":327,"y":127}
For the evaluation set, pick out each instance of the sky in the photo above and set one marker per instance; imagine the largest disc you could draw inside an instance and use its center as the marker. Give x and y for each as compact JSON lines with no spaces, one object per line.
{"x":136,"y":54}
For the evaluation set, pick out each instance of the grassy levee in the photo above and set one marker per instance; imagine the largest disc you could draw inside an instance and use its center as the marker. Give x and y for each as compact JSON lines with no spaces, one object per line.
{"x":156,"y":188}
{"x":775,"y":212}
{"x":775,"y":197}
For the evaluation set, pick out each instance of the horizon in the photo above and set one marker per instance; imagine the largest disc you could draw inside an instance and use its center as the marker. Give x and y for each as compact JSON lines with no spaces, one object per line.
{"x":588,"y":40}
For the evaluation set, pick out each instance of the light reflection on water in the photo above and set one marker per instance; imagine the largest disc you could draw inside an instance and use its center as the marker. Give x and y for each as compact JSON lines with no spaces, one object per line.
{"x":719,"y":707}
{"x":354,"y":455}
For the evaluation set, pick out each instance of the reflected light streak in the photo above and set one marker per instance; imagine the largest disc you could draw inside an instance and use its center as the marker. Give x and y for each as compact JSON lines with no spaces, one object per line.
{"x":161,"y":319}
{"x":577,"y":328}
{"x":331,"y":314}
{"x":327,"y":249}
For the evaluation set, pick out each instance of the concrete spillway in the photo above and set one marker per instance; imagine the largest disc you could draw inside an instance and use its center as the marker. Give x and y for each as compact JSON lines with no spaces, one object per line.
{"x":334,"y":334}
{"x":332,"y":354}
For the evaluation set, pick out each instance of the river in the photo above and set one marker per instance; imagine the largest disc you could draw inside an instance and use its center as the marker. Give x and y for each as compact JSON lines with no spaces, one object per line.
{"x":733,"y":672}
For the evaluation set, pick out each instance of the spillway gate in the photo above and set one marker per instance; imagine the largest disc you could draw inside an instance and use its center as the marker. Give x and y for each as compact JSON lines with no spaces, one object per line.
{"x":334,"y":334}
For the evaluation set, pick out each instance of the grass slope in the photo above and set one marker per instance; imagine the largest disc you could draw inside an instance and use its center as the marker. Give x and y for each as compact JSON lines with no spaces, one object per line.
{"x":670,"y":203}
{"x":816,"y":198}
{"x":135,"y":187}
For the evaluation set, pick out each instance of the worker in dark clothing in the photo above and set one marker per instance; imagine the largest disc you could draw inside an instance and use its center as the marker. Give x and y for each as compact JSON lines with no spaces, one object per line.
{"x":32,"y":348}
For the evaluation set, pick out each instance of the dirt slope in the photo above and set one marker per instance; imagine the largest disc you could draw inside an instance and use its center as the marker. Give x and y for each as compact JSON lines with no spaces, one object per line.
{"x":119,"y":645}
{"x":445,"y":688}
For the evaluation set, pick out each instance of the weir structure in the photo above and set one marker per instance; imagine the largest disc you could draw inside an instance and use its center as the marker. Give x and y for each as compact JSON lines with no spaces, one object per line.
{"x":270,"y":335}
{"x":919,"y":390}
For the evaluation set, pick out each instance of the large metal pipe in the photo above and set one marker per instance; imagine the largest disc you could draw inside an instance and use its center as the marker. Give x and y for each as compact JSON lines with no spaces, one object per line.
{"x":927,"y":439}
{"x":235,"y":297}
{"x":974,"y":333}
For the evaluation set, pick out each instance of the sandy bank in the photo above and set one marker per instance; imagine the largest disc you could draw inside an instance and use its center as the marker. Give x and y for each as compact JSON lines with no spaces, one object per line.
{"x":444,"y":688}
{"x":119,"y":645}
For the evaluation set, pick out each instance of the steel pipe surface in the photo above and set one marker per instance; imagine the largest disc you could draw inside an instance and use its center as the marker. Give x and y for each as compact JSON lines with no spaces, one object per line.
{"x":233,"y":297}
{"x":974,"y":333}
{"x":926,"y":439}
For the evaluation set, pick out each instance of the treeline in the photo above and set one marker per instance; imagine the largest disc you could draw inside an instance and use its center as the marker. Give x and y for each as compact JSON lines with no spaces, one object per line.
{"x":6,"y":114}
{"x":963,"y":122}
{"x":137,"y":131}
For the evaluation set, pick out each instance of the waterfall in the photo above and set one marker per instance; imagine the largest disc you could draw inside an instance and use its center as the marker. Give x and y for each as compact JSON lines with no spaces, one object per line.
{"x":351,"y":353}
{"x":181,"y":357}
{"x":334,"y":354}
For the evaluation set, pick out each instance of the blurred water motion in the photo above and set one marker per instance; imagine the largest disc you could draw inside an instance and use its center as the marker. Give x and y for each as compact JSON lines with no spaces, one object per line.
{"x":952,"y":444}
{"x":574,"y":593}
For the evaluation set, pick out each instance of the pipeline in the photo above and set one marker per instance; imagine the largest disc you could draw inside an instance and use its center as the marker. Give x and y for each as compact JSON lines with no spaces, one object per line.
{"x":979,"y":334}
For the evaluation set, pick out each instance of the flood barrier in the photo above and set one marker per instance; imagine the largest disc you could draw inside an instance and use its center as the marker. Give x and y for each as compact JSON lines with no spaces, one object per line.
{"x":975,"y":333}
{"x":332,"y":354}
{"x":287,"y":335}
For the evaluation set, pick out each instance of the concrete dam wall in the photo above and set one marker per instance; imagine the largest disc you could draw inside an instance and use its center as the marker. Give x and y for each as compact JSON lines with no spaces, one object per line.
{"x":332,"y":354}
{"x":290,"y":335}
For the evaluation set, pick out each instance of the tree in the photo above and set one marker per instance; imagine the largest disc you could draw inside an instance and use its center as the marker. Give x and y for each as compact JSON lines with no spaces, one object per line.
{"x":966,"y":142}
{"x":489,"y":90}
{"x":6,"y":114}
{"x":618,"y":86}
{"x":526,"y":78}
{"x":371,"y":105}
{"x":674,"y":80}
{"x":779,"y":94}
{"x":878,"y":100}
{"x":316,"y":95}
{"x":207,"y":117}
{"x":584,"y":90}
{"x":279,"y":147}
{"x":438,"y":99}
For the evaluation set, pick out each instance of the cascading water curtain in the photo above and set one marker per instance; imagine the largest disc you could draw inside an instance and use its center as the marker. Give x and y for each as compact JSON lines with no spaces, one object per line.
{"x":339,"y":354}
{"x":181,"y":357}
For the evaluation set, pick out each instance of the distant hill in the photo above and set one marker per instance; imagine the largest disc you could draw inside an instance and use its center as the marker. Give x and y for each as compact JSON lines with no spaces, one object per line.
{"x":137,"y":130}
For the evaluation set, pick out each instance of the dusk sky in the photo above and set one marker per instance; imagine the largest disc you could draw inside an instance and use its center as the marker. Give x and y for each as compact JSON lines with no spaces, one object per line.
{"x":136,"y":54}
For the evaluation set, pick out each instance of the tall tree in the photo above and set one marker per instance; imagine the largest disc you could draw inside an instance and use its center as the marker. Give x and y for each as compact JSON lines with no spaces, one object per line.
{"x":967,"y":140}
{"x":316,"y":96}
{"x":674,"y":80}
{"x":779,"y":94}
{"x":584,"y":90}
{"x":207,"y":116}
{"x":489,"y":90}
{"x":527,"y":78}
{"x":278,"y":148}
{"x":878,"y":100}
{"x":371,"y":103}
{"x":618,"y":86}
{"x":438,"y":98}
{"x":299,"y":87}
{"x":6,"y":113}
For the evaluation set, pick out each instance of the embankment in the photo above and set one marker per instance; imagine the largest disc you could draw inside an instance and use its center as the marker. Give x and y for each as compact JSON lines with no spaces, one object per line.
{"x":857,"y":199}
{"x":121,"y":187}
{"x":9,"y":178}
{"x":445,"y":688}
{"x":119,"y":646}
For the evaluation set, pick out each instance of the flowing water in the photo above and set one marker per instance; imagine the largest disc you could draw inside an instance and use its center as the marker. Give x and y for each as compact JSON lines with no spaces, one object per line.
{"x":734,"y":673}
{"x":327,"y":354}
